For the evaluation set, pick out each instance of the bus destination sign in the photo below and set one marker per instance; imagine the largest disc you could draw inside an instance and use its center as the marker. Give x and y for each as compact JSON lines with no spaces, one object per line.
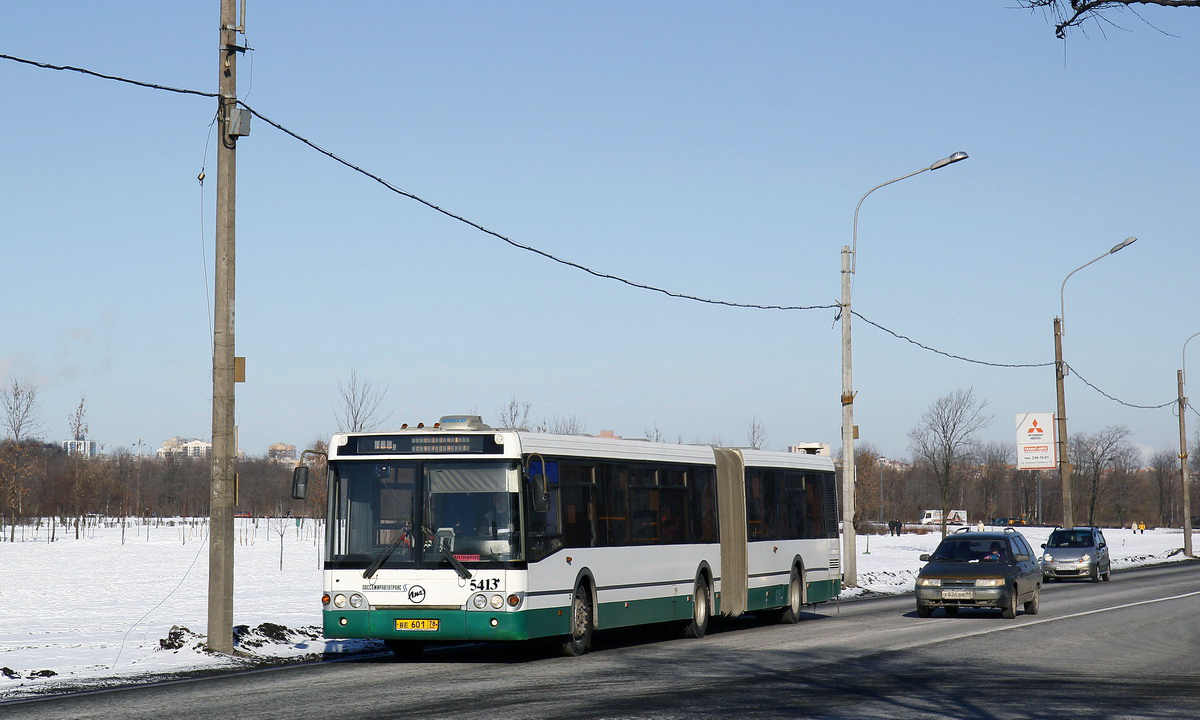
{"x":429,"y":444}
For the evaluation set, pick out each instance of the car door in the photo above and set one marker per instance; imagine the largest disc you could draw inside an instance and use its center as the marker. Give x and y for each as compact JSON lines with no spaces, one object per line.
{"x":1029,"y":571}
{"x":1102,"y":559}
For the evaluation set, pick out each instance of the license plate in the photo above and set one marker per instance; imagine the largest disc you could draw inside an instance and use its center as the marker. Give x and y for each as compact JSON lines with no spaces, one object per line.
{"x":423,"y":625}
{"x":958,"y":594}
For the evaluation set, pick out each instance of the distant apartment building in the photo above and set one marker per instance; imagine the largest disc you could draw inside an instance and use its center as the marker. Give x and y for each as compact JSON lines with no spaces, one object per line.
{"x":810,"y":448}
{"x":280,"y":453}
{"x":86,"y":448}
{"x":185,"y":447}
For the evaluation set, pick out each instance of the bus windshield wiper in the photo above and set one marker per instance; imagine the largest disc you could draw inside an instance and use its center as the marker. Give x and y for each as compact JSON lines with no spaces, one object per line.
{"x":383,"y":556}
{"x":459,"y":568}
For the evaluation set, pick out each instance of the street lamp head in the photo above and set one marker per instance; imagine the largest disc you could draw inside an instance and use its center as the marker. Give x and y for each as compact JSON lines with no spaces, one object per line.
{"x":960,"y":155}
{"x":1124,"y":243}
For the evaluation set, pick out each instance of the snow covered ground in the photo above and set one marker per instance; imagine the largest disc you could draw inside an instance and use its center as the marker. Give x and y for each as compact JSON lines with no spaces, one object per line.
{"x":119,"y":603}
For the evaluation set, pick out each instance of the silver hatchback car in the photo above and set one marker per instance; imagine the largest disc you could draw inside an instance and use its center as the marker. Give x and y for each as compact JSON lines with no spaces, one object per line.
{"x":1078,"y":552}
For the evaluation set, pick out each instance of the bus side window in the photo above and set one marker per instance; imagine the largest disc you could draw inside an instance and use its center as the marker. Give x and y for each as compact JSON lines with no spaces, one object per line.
{"x":545,"y":533}
{"x":578,"y":496}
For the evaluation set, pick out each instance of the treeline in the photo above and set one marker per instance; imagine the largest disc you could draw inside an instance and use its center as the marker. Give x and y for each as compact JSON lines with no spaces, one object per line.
{"x":41,"y":480}
{"x":1110,"y":490}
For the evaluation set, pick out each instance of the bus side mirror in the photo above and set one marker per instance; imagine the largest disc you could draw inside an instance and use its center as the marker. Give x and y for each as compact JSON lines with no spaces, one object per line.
{"x":300,"y":483}
{"x":541,"y":496}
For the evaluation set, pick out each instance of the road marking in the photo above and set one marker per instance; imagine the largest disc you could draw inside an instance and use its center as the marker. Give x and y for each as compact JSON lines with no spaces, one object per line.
{"x":986,"y":631}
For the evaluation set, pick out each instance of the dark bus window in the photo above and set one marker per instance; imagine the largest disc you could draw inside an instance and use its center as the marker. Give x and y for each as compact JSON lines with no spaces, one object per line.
{"x":613,"y":506}
{"x":577,"y":495}
{"x":702,"y":505}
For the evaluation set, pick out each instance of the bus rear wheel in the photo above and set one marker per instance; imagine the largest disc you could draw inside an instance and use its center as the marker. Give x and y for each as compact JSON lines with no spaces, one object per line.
{"x":701,"y":610}
{"x":792,"y":613}
{"x":580,"y":639}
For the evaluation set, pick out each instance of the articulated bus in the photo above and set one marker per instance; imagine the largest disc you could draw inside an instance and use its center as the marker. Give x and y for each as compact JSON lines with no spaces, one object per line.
{"x":460,"y":532}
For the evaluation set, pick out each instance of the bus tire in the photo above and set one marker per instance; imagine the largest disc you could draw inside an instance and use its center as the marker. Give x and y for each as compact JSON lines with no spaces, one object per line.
{"x":701,"y":610}
{"x":405,"y":650}
{"x":793,"y":612}
{"x":582,"y":625}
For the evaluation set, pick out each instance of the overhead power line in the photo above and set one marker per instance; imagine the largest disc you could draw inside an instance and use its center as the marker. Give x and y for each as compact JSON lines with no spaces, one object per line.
{"x":1114,"y":399}
{"x":514,"y":243}
{"x":115,"y":78}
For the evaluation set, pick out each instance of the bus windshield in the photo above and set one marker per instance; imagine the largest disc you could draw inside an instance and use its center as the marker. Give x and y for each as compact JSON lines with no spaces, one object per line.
{"x":417,"y":514}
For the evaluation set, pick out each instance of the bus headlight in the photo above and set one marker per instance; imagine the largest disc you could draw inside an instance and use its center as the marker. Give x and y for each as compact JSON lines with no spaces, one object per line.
{"x":497,"y":601}
{"x":339,"y":600}
{"x":356,"y":601}
{"x":479,"y":601}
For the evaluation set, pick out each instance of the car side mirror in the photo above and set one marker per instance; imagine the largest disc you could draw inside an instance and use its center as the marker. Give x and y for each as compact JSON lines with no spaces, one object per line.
{"x":300,"y":483}
{"x":1043,"y":544}
{"x":924,"y":557}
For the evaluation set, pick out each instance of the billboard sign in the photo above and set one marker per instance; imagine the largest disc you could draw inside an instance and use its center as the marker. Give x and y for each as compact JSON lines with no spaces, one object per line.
{"x":1035,"y":441}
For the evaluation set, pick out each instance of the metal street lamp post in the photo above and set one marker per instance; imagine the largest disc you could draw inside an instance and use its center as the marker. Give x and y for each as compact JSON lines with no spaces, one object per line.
{"x":849,"y":257}
{"x":1183,"y":453}
{"x":1060,"y":372}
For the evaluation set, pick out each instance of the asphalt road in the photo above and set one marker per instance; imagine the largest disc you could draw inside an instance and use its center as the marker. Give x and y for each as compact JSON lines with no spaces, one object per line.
{"x":1124,"y":649}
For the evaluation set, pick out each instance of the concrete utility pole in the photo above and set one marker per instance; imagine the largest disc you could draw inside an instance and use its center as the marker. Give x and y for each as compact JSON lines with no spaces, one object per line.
{"x":1183,"y":464}
{"x":224,"y":443}
{"x":1064,"y":465}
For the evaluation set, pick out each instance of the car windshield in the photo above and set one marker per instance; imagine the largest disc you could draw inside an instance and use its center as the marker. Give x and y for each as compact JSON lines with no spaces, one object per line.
{"x":972,"y":550}
{"x":1069,"y":539}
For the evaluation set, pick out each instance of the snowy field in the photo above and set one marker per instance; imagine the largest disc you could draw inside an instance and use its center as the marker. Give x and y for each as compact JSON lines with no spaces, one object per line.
{"x":126,"y":602}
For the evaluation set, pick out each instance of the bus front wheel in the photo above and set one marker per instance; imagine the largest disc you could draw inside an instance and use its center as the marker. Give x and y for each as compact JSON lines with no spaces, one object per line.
{"x":580,"y":639}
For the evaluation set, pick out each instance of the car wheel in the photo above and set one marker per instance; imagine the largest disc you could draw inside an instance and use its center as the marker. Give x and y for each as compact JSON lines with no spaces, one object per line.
{"x":1010,"y":609}
{"x":1107,"y":574}
{"x":1032,"y":607}
{"x":924,"y":611}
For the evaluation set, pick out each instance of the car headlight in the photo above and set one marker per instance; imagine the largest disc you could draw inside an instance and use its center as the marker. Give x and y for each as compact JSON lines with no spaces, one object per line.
{"x":989,"y":582}
{"x":1047,"y":558}
{"x":1085,"y":558}
{"x":929,"y":582}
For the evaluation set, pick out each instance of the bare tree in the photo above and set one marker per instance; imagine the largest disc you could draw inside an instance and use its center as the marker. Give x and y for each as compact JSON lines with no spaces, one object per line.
{"x":945,"y":440}
{"x":1094,"y":454}
{"x":1164,"y":479}
{"x":360,"y":405}
{"x":21,"y":415}
{"x":994,"y":474}
{"x":756,"y":435}
{"x":654,"y":434}
{"x":562,"y":425}
{"x":79,"y":428}
{"x":514,"y":415}
{"x":1074,"y":13}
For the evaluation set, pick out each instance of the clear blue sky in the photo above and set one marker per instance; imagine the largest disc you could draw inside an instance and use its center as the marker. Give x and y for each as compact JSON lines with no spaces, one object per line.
{"x":714,"y":149}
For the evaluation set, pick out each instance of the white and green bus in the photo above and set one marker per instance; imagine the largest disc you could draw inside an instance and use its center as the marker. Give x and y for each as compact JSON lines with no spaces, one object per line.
{"x":460,"y":532}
